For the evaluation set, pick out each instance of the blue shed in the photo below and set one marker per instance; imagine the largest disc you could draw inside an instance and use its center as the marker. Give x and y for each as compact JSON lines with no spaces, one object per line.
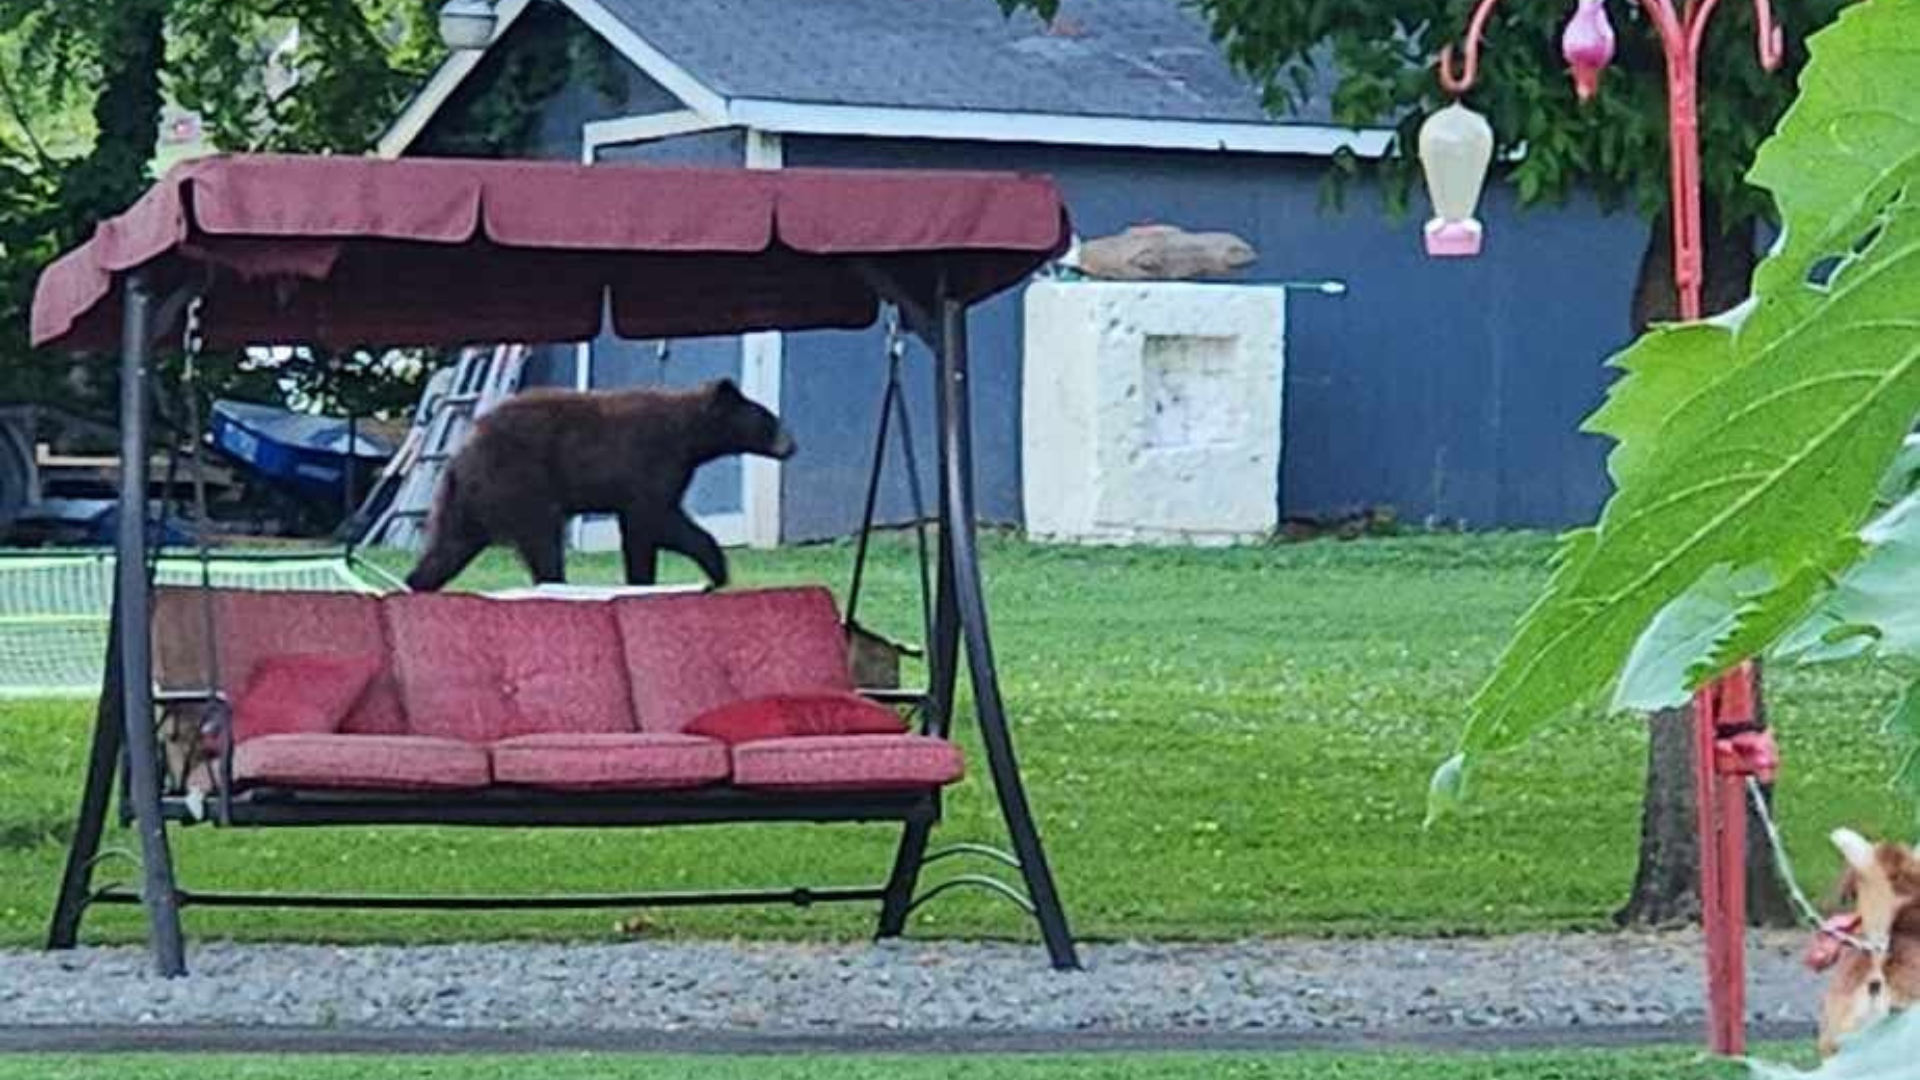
{"x":1447,"y":390}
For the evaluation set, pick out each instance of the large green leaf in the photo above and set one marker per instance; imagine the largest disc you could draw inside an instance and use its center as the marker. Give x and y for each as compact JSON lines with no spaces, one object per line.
{"x":1666,"y":663}
{"x":1870,"y":609}
{"x":1756,"y":441}
{"x":1875,"y":607}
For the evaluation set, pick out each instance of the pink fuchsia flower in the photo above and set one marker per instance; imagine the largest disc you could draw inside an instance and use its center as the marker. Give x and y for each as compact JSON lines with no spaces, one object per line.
{"x":1588,"y":46}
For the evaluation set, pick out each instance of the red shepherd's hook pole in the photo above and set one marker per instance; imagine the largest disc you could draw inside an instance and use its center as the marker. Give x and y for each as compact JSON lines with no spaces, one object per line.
{"x":1730,"y":743}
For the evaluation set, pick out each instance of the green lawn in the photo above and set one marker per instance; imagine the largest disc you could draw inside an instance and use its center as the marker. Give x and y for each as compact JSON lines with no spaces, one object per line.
{"x":1589,"y":1065}
{"x":1218,"y":743}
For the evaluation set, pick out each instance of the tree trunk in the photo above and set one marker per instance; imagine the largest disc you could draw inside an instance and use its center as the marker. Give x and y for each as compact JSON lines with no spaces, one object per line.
{"x":133,"y":49}
{"x":126,"y":114}
{"x":1666,"y":886}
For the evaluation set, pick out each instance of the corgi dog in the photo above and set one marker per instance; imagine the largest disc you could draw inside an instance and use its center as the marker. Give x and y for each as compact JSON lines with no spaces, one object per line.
{"x":1873,"y":951}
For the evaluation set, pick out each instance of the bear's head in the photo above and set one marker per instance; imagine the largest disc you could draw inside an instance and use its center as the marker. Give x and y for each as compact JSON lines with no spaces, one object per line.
{"x":743,"y":425}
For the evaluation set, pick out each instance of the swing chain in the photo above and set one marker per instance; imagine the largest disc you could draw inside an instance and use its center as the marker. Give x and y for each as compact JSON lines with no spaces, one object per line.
{"x":216,"y":720}
{"x":192,"y":340}
{"x":896,"y":342}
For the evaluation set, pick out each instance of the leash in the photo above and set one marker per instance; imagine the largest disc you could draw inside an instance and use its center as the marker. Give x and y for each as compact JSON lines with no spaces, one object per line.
{"x":1833,"y":928}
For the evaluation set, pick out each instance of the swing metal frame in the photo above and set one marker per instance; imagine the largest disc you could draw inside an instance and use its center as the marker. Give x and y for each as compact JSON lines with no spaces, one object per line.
{"x":124,"y":748}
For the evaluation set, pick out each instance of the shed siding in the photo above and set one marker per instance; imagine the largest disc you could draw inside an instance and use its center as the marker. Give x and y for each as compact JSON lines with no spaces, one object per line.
{"x":1447,"y":389}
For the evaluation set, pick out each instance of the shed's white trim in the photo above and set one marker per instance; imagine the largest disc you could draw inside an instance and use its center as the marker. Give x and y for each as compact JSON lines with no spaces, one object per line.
{"x":673,"y":78}
{"x":757,"y":523}
{"x":1063,"y":129}
{"x":643,"y":128}
{"x":446,"y":79}
{"x":762,"y":358}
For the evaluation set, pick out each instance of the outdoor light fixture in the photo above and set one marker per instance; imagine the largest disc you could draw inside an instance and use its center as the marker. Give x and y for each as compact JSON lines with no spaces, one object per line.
{"x":466,"y":25}
{"x":1456,"y":146}
{"x":1587,"y":44}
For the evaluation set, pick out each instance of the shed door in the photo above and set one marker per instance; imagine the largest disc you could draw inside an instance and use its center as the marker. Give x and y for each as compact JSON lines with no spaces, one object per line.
{"x":718,"y":496}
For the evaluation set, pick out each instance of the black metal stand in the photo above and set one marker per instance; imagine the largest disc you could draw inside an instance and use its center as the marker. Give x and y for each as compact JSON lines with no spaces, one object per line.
{"x":132,"y":605}
{"x":124,"y":738}
{"x":76,"y":883}
{"x":958,"y":536}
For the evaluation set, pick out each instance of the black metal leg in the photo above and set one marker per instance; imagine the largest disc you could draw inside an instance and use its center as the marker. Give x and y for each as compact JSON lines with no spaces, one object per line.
{"x":76,"y":883}
{"x":943,"y":652}
{"x":904,"y":879}
{"x":132,"y":603}
{"x":962,"y":571}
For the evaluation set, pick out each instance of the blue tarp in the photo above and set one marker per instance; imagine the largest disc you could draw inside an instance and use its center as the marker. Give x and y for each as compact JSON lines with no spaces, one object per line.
{"x":308,"y":452}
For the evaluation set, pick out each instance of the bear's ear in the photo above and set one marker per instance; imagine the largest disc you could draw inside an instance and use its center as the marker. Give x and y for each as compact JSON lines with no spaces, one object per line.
{"x":726,"y":390}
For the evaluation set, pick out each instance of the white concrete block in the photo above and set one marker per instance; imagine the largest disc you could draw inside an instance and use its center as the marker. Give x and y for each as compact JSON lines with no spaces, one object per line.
{"x":1151,"y":411}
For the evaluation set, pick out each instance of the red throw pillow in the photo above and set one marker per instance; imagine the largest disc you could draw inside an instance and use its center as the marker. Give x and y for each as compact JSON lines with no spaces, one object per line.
{"x":301,"y":694}
{"x":788,"y":716}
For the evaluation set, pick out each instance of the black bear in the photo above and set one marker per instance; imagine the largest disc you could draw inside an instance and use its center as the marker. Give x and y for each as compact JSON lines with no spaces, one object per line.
{"x":545,"y":454}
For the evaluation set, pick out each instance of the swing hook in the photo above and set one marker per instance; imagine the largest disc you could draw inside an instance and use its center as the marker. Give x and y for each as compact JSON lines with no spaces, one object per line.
{"x":896,"y":341}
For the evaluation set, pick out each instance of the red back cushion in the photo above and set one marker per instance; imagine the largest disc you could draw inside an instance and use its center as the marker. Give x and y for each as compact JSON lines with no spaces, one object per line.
{"x":785,"y":716}
{"x":301,"y":694}
{"x":484,"y":670}
{"x":687,"y":654}
{"x":252,"y":625}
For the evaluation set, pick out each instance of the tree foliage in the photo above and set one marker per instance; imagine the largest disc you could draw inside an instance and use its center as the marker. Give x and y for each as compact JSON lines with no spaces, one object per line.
{"x":1750,"y":450}
{"x":1379,"y":54}
{"x":115,"y":63}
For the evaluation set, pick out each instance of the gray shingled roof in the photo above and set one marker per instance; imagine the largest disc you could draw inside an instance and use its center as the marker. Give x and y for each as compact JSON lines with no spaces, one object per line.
{"x":1149,"y":59}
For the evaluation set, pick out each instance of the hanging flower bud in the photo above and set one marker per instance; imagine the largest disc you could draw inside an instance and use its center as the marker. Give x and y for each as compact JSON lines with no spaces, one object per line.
{"x":1588,"y":46}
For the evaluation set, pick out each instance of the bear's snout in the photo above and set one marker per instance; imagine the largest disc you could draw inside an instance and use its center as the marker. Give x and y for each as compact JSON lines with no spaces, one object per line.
{"x":783,"y":445}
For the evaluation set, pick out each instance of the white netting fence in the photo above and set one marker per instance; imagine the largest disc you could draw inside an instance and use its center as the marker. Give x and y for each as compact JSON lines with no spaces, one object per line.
{"x":54,"y":608}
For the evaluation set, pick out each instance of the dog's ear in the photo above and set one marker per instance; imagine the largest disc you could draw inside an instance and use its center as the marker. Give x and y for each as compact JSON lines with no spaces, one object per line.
{"x":1856,"y":849}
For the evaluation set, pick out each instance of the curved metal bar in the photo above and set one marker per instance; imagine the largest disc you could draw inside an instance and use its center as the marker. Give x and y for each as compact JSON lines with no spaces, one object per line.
{"x":112,"y":853}
{"x":969,"y":605}
{"x":1770,"y":39}
{"x":975,"y":881}
{"x":105,"y":894}
{"x":1458,"y":83}
{"x":1672,"y":27}
{"x":871,"y":505}
{"x":96,"y":794}
{"x":1697,"y":20}
{"x":954,"y":851}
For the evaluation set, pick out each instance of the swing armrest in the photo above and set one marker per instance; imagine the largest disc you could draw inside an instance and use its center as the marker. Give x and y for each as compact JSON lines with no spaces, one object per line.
{"x":164,"y":698}
{"x":890,"y":696}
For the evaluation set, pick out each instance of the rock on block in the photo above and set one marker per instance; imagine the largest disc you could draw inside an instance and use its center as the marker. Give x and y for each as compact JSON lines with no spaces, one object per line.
{"x":1151,"y":411}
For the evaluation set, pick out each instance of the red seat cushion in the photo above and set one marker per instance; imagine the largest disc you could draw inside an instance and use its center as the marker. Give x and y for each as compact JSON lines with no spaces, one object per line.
{"x":793,"y":715}
{"x":370,"y":762}
{"x":629,"y":762}
{"x":689,"y":654}
{"x":301,"y":694}
{"x":485,"y":670}
{"x":847,"y":763}
{"x":253,"y":625}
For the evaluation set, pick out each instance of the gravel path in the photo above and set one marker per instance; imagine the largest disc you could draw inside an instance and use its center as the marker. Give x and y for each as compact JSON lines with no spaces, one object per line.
{"x":1390,"y":987}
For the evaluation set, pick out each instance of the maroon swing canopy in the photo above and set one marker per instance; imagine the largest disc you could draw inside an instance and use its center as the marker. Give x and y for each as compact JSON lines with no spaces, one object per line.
{"x":344,"y":251}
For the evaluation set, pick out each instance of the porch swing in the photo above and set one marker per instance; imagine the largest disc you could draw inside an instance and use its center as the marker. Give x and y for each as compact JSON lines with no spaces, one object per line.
{"x":477,"y":711}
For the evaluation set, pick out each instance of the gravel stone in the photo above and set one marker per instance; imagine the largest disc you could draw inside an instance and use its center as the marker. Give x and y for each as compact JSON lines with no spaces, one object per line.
{"x":1292,"y":985}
